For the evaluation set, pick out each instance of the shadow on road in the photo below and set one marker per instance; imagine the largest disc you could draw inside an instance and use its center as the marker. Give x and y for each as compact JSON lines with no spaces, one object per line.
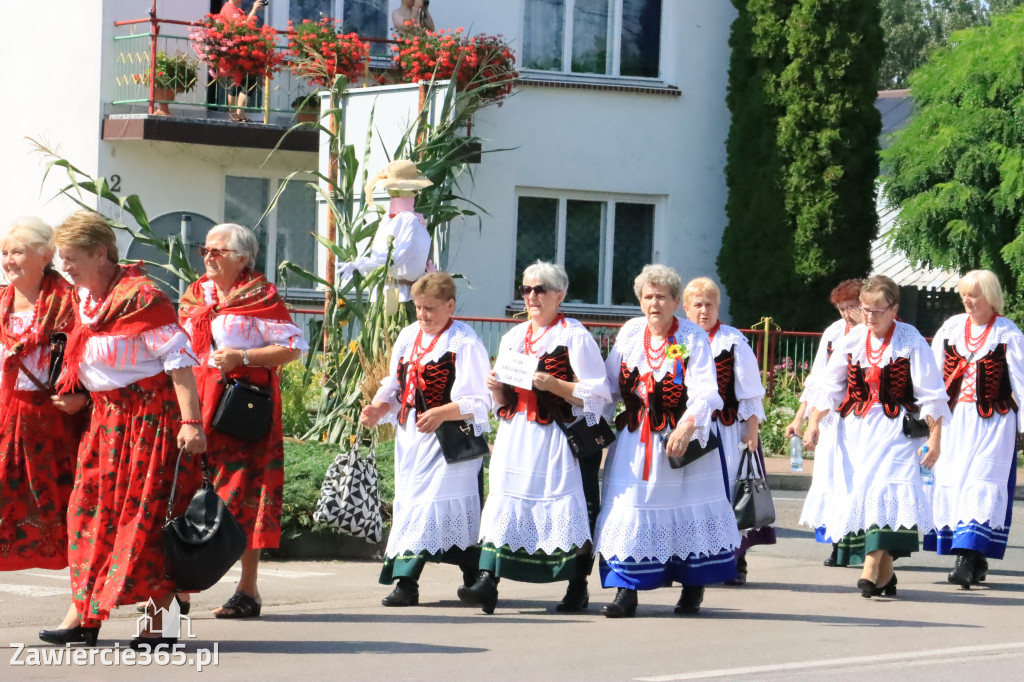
{"x":512,"y":607}
{"x":819,"y":618}
{"x":341,"y":647}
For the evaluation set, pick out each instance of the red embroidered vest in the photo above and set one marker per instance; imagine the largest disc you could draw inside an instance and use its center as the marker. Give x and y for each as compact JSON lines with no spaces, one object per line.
{"x":895,"y":389}
{"x":666,"y":403}
{"x":438,"y":378}
{"x":555,"y":363}
{"x":993,"y":390}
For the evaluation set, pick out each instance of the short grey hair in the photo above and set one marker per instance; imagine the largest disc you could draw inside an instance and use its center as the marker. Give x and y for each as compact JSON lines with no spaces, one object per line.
{"x":548,"y":274}
{"x":660,"y":276}
{"x":240,"y":239}
{"x":29,"y":232}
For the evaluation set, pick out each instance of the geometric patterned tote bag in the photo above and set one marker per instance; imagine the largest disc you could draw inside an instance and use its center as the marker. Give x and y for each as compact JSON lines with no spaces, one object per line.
{"x":349,"y":497}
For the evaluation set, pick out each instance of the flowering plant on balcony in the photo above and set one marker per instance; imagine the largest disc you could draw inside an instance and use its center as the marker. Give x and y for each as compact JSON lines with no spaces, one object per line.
{"x":178,"y":73}
{"x":320,"y":52}
{"x":236,"y":49}
{"x":481,"y":62}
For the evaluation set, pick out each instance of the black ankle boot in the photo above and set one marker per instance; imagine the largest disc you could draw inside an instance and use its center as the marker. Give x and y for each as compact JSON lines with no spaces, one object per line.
{"x":623,"y":606}
{"x":482,"y":593}
{"x":577,"y":596}
{"x":963,"y":570}
{"x":73,"y":635}
{"x":980,"y":570}
{"x":690,"y":600}
{"x":406,"y":593}
{"x":833,"y":560}
{"x":741,"y":573}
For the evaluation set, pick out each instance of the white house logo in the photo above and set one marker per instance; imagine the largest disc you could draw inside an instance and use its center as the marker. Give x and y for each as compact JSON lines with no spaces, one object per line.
{"x":171,"y":621}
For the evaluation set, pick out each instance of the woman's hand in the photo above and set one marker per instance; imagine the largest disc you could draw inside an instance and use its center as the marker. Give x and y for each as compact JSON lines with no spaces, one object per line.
{"x":192,"y":439}
{"x":795,"y":428}
{"x":427,"y":422}
{"x":70,"y":403}
{"x":928,"y":453}
{"x":811,"y":435}
{"x":227,"y":359}
{"x":372,"y":414}
{"x":680,"y":438}
{"x":492,"y":382}
{"x":750,"y":437}
{"x":543,"y":381}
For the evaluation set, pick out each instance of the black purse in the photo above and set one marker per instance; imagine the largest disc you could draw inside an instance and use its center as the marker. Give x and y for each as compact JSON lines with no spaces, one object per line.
{"x":752,"y":499}
{"x":914,"y":427}
{"x":245,"y":410}
{"x":58,"y":342}
{"x":204,"y":542}
{"x":584,"y":440}
{"x":459,"y":442}
{"x":693,"y":452}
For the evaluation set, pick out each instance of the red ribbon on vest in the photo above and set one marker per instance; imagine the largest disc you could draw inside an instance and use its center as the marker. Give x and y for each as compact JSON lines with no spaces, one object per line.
{"x":645,"y":422}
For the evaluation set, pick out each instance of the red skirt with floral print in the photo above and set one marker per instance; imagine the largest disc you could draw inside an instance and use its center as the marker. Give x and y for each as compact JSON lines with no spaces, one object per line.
{"x":248,"y":476}
{"x":38,"y":443}
{"x":119,"y":502}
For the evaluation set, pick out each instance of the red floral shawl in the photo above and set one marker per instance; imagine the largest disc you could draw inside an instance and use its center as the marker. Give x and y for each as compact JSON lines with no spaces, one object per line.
{"x":55,"y":311}
{"x":252,"y":296}
{"x":134,"y":306}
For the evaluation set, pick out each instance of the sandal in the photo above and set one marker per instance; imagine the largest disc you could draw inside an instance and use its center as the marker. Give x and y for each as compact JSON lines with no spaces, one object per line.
{"x":241,"y":605}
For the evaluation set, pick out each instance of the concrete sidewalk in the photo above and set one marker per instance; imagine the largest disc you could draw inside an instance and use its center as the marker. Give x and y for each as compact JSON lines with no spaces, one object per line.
{"x":781,"y":478}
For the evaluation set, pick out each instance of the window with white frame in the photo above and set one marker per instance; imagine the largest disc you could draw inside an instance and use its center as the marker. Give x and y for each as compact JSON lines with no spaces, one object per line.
{"x":285,"y":234}
{"x":602,"y":243}
{"x":368,"y":18}
{"x":608,"y":37}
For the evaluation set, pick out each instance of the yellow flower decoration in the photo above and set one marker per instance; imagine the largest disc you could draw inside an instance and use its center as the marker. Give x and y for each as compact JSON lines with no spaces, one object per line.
{"x":676,"y":352}
{"x":352,"y":346}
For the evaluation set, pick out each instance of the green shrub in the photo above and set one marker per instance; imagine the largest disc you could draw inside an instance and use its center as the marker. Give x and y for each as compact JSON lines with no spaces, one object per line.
{"x":299,"y":396}
{"x":779,"y":411}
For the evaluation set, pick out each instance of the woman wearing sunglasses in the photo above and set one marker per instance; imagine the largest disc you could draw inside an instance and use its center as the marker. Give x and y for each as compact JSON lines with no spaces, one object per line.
{"x":981,"y":354}
{"x":880,"y":380}
{"x":241,"y":329}
{"x":535,"y":525}
{"x":846,"y":298}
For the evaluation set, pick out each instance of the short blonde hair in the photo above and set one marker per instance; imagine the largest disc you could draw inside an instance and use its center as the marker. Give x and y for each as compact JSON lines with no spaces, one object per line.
{"x":881,"y":285}
{"x":701,"y":285}
{"x":29,"y":232}
{"x":440,"y":285}
{"x":988,"y":285}
{"x":86,"y":230}
{"x":661,"y":276}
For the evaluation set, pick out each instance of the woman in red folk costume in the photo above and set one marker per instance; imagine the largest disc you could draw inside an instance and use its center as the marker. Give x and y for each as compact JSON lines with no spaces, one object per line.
{"x":240,"y":328}
{"x":131,"y":355}
{"x":38,"y":442}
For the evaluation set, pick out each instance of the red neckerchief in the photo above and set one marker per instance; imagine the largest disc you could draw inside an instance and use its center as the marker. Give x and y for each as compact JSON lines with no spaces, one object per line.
{"x":252,"y":296}
{"x":134,"y":306}
{"x":54,"y":311}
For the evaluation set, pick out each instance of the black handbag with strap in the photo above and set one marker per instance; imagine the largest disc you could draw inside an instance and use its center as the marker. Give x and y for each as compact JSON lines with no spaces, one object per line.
{"x":459,"y":442}
{"x":751,"y":498}
{"x":204,"y":542}
{"x":693,"y":452}
{"x":245,"y":410}
{"x":914,"y":427}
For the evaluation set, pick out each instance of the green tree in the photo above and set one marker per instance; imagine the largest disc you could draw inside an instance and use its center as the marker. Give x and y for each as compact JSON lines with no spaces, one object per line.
{"x":802,"y":155}
{"x":956,"y":172}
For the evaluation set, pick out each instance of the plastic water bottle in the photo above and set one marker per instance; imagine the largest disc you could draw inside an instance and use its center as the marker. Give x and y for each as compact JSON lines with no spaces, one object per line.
{"x":796,"y":454}
{"x":927,"y":475}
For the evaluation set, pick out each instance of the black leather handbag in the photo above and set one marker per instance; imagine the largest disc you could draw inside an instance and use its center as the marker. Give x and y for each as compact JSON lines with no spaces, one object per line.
{"x":204,"y":542}
{"x":751,"y":498}
{"x":914,"y":427}
{"x":245,"y":410}
{"x":459,"y":442}
{"x":693,"y":452}
{"x":584,"y":440}
{"x":58,"y":341}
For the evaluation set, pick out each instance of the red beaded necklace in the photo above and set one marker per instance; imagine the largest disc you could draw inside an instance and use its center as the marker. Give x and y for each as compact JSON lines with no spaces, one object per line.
{"x":36,"y":311}
{"x":93,"y":309}
{"x":875,"y":357}
{"x":528,"y":341}
{"x":657,"y":355}
{"x":418,"y":351}
{"x":972,"y":345}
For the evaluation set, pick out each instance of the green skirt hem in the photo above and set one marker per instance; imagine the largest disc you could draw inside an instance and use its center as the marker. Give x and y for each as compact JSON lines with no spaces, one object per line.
{"x":522,"y":566}
{"x":411,"y":565}
{"x":901,"y":542}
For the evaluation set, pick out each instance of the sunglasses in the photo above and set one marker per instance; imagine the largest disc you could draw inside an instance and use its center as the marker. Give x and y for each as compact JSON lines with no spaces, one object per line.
{"x":214,"y":253}
{"x":540,"y":290}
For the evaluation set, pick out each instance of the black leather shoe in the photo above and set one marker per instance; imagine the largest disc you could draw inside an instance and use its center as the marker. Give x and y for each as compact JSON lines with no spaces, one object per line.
{"x":482,"y":593}
{"x":152,"y":642}
{"x":406,"y":593}
{"x":623,"y":606}
{"x":833,"y":559}
{"x":963,"y":571}
{"x":577,"y":597}
{"x":980,"y":570}
{"x":867,"y":588}
{"x":86,"y":636}
{"x":888,"y":589}
{"x":690,"y":601}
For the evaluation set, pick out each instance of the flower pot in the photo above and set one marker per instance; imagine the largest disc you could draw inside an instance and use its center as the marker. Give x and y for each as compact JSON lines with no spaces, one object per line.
{"x":305,"y":117}
{"x":162,"y":108}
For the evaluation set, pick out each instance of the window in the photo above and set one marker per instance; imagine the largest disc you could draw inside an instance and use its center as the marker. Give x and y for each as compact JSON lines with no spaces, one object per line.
{"x":609,"y":37}
{"x":603,"y":245}
{"x":285,"y":234}
{"x":368,"y":18}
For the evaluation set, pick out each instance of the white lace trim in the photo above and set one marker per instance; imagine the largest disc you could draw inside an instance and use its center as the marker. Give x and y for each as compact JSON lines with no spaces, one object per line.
{"x":979,"y":501}
{"x":892,"y":504}
{"x":631,"y":342}
{"x":701,"y":413}
{"x":478,"y":409}
{"x":704,"y":529}
{"x":816,"y":505}
{"x":904,"y":339}
{"x":938,"y":410}
{"x":593,"y":405}
{"x":953,"y":330}
{"x":750,"y":407}
{"x":725,"y":338}
{"x":435,"y":527}
{"x":452,"y":340}
{"x":535,"y":525}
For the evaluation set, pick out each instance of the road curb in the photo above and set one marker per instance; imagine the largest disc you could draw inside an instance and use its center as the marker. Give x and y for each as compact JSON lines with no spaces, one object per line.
{"x":801,"y":482}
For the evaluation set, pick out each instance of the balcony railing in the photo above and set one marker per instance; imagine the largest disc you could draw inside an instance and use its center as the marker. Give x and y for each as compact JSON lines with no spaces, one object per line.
{"x":137,"y":42}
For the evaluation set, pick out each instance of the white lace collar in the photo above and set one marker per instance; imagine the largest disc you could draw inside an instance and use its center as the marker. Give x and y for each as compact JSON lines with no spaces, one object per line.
{"x":452,"y":339}
{"x":631,"y":344}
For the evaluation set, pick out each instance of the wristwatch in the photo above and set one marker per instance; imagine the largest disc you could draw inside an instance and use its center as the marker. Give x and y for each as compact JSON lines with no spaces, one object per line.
{"x":245,"y":358}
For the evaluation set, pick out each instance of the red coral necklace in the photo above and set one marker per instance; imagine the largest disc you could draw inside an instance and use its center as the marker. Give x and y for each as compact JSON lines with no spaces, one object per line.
{"x":528,"y":341}
{"x":875,"y":357}
{"x":970,"y":343}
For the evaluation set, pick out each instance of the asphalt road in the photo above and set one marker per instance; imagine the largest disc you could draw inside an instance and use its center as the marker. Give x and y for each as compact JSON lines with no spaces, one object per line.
{"x":795,"y":619}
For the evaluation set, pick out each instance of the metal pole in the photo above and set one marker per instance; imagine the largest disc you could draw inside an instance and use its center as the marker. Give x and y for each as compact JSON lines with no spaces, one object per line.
{"x":183,"y":230}
{"x":154,"y":33}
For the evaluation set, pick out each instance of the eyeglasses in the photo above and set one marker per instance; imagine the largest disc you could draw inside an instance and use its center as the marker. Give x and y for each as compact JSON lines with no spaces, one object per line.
{"x":875,"y":311}
{"x":540,"y":290}
{"x":214,"y":253}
